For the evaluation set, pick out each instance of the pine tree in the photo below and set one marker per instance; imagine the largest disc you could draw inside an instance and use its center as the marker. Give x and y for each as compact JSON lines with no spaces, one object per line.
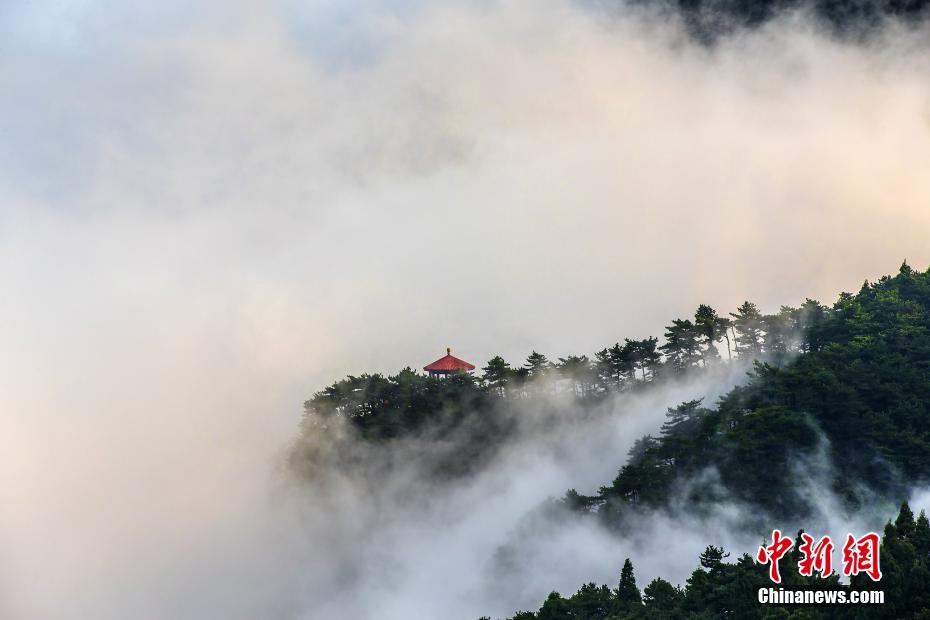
{"x":627,"y":593}
{"x":681,"y":345}
{"x":780,"y":330}
{"x":724,"y":327}
{"x":577,"y":369}
{"x":747,"y":322}
{"x":537,"y":364}
{"x":555,"y":608}
{"x":497,"y":373}
{"x":712,"y":558}
{"x":683,"y":419}
{"x":616,"y":366}
{"x":626,"y":359}
{"x":811,"y":317}
{"x":538,"y":372}
{"x":648,"y":357}
{"x":604,"y":370}
{"x":921,"y":536}
{"x":661,"y":596}
{"x":518,"y":380}
{"x":591,"y":602}
{"x":621,"y":363}
{"x":711,"y":329}
{"x":904,"y":524}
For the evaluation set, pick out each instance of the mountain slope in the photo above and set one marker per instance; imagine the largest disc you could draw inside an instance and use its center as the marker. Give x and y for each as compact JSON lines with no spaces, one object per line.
{"x":858,"y":395}
{"x":860,"y":391}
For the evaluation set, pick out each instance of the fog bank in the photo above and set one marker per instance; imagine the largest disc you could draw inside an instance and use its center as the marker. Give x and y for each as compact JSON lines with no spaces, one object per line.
{"x":208,"y":212}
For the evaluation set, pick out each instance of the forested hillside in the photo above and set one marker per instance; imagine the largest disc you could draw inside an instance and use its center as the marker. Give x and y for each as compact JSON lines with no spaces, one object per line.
{"x":861,"y":387}
{"x":723,"y":588}
{"x":848,"y":383}
{"x":472,"y":415}
{"x":707,"y":19}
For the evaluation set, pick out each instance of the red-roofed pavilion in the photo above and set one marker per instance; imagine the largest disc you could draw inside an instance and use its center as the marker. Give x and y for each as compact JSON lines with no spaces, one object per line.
{"x":447,"y":365}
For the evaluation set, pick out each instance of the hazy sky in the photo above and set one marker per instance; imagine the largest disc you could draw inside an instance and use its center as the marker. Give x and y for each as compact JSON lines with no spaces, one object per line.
{"x":209,"y":210}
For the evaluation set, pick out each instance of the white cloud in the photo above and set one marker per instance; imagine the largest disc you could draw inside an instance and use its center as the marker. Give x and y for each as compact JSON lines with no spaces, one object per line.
{"x":203,"y":222}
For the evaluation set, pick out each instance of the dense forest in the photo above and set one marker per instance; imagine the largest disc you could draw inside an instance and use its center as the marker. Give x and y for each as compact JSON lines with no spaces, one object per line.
{"x":722,"y":589}
{"x":862,"y":384}
{"x":852,"y":379}
{"x":473,"y":415}
{"x":382,"y":408}
{"x":708,"y":19}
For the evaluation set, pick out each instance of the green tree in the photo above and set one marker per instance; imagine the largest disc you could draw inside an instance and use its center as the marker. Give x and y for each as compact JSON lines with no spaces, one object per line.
{"x":625,"y":360}
{"x":579,"y":371}
{"x":627,"y":594}
{"x":711,"y":329}
{"x":604,"y":371}
{"x":648,"y":358}
{"x":747,"y":322}
{"x":681,"y":348}
{"x":537,"y":365}
{"x":712,"y":558}
{"x":780,"y":332}
{"x":591,"y":602}
{"x":661,"y":596}
{"x":555,"y":608}
{"x":811,"y":318}
{"x":904,"y":524}
{"x":497,"y":374}
{"x":921,"y":535}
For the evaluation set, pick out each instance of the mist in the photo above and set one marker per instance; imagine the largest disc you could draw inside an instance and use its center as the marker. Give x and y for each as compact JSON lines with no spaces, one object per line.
{"x":209,"y":212}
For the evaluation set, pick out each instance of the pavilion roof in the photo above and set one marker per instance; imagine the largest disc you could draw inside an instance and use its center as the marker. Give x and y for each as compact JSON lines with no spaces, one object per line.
{"x":449,"y":363}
